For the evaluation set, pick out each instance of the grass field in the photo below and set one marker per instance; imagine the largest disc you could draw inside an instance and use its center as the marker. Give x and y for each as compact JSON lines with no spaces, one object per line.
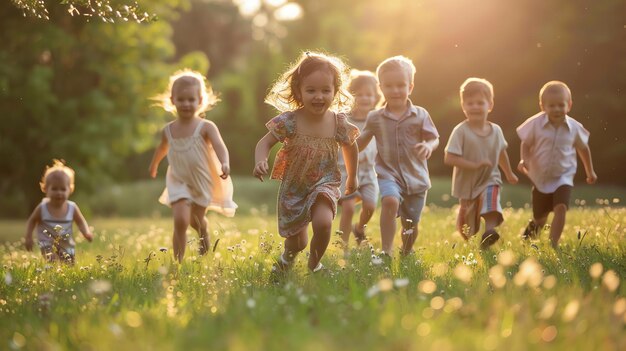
{"x":125,"y":293}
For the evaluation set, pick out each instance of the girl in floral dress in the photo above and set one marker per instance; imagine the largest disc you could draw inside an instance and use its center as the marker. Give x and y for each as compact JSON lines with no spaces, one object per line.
{"x":312,"y":97}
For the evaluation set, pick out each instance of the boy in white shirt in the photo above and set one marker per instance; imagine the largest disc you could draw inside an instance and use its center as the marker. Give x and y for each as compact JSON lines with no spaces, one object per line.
{"x":550,"y":141}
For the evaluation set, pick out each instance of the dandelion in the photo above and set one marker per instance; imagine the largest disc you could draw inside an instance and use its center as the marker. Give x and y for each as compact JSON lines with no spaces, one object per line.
{"x":439,"y":269}
{"x":385,"y":284}
{"x":596,"y":269}
{"x":373,"y":291}
{"x":497,"y":277}
{"x":619,"y":307}
{"x":376,"y":260}
{"x":116,"y":329}
{"x":8,"y":278}
{"x":401,"y":282}
{"x":427,"y":286}
{"x":339,"y":232}
{"x":251,"y":303}
{"x":57,"y":228}
{"x":571,"y":310}
{"x":133,"y":319}
{"x":610,"y":280}
{"x":529,"y":273}
{"x":506,"y":258}
{"x":463,"y":273}
{"x":100,"y":286}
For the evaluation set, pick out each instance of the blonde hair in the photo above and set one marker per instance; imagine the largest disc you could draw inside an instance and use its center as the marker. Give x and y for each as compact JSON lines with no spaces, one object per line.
{"x":476,"y":86}
{"x":554,"y":86}
{"x":359,"y":79}
{"x":399,"y":62}
{"x":184,"y":78}
{"x":58,"y":168}
{"x":284,"y":95}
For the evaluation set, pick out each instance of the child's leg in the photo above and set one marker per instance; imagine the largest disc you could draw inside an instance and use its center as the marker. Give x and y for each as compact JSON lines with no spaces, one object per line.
{"x":492,"y":220}
{"x":294,"y":244}
{"x":560,"y":201}
{"x":367,"y":210}
{"x":322,"y":221}
{"x":558,"y":222}
{"x":388,"y":214}
{"x":181,"y":211}
{"x":199,"y":222}
{"x":410,"y":213}
{"x":345,"y":224}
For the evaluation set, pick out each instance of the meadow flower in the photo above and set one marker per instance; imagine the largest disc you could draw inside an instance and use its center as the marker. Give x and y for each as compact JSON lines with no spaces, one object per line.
{"x":463,"y":273}
{"x":497,"y":277}
{"x":530,"y":273}
{"x":8,"y":278}
{"x":507,"y":258}
{"x":596,"y":269}
{"x":401,"y":282}
{"x":571,"y":310}
{"x":610,"y":280}
{"x":100,"y":286}
{"x":251,"y":303}
{"x":427,"y":286}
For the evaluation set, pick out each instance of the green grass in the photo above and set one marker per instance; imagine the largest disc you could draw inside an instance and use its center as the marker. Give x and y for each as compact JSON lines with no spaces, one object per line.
{"x":124,"y":293}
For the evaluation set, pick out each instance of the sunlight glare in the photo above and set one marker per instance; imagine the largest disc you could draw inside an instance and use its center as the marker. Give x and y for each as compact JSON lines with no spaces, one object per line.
{"x":247,"y":8}
{"x":289,"y":12}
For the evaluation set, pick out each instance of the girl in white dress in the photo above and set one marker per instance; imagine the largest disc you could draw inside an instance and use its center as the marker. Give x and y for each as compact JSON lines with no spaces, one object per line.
{"x":197,"y":178}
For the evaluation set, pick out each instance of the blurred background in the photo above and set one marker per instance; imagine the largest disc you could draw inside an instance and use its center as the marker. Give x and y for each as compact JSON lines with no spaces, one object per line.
{"x":78,"y":87}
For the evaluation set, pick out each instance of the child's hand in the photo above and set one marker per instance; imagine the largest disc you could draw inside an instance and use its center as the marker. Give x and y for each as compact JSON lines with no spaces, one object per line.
{"x":352,"y":185}
{"x":484,"y":163}
{"x":260,"y":169}
{"x":512,"y":178}
{"x":592,"y":178}
{"x":153,"y":172}
{"x":423,"y":150}
{"x":522,"y":167}
{"x":28,"y":242}
{"x":88,"y":236}
{"x":225,"y":170}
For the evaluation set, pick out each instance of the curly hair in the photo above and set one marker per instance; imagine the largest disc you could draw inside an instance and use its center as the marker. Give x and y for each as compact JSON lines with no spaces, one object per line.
{"x":58,"y":168}
{"x":284,"y":94}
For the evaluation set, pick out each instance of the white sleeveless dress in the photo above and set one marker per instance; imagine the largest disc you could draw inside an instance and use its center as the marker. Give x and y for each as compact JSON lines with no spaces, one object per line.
{"x":194,"y":174}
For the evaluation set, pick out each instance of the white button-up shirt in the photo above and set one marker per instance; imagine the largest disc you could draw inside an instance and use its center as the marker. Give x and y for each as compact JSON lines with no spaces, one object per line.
{"x":552,"y":158}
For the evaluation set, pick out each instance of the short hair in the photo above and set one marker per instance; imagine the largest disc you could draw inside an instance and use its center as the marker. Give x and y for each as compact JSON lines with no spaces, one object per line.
{"x":58,"y":168}
{"x":184,"y":78}
{"x":476,"y":86}
{"x":554,"y":86}
{"x":359,"y":79}
{"x":399,"y":62}
{"x":284,"y":94}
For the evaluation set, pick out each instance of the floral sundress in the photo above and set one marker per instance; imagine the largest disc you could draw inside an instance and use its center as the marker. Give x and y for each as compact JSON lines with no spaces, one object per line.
{"x":307,"y":168}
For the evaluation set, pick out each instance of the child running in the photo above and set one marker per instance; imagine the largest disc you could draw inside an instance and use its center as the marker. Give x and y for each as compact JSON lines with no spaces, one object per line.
{"x":405,"y":138}
{"x":364,"y":87}
{"x":311,"y":96}
{"x":55,"y":215}
{"x":550,"y":141}
{"x":197,"y":178}
{"x":476,"y":147}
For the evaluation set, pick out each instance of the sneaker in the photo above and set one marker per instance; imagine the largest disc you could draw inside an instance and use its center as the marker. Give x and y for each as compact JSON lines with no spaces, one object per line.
{"x":531,"y":231}
{"x":489,"y":238}
{"x":318,"y":268}
{"x":359,"y":235}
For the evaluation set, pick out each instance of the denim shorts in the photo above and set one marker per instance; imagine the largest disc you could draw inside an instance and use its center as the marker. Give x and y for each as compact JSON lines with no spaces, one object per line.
{"x":411,"y":206}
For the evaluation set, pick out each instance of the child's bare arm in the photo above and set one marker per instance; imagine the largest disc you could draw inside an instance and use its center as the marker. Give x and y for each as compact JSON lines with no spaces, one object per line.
{"x":351,"y":158}
{"x":505,"y":164}
{"x":34,"y":218}
{"x":80,"y":220}
{"x":585,"y":156}
{"x":220,"y":148}
{"x":425,"y":148}
{"x":363,"y":140}
{"x":458,"y":161}
{"x":524,"y":150}
{"x":159,"y":154}
{"x":261,"y":152}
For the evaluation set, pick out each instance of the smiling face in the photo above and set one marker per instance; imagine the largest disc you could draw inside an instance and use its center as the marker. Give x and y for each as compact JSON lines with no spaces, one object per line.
{"x":365,"y":98}
{"x":317,"y":92}
{"x":187,"y":99}
{"x":58,"y":188}
{"x":556,"y":103}
{"x":396,"y":88}
{"x":476,"y":107}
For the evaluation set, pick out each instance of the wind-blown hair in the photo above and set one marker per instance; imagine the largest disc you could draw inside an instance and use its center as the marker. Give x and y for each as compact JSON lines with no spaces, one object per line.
{"x":284,"y":95}
{"x":183,"y":78}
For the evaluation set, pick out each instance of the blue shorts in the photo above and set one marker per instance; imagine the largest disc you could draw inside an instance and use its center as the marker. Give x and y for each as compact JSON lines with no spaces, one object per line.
{"x":411,"y":206}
